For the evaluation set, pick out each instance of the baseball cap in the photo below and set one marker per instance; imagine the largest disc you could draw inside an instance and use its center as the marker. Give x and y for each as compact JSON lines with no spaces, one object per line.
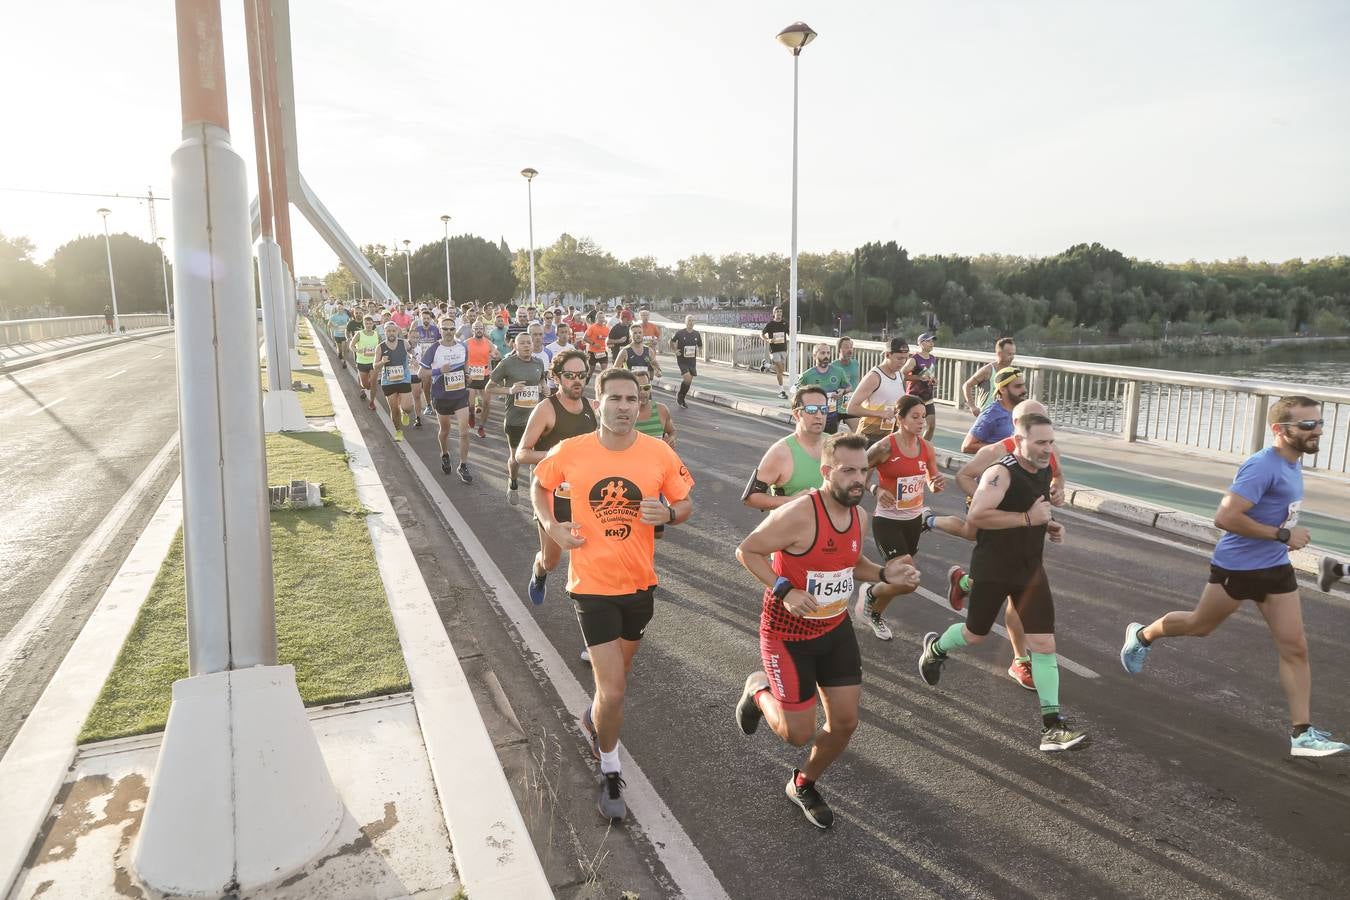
{"x":899,"y":345}
{"x":927,"y":336}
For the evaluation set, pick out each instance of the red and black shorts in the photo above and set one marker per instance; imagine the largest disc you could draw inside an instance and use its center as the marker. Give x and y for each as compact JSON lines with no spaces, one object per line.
{"x":795,"y":668}
{"x":1255,"y":584}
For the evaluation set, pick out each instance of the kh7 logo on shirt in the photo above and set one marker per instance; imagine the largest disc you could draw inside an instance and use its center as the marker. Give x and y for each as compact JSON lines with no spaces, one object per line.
{"x":615,"y":501}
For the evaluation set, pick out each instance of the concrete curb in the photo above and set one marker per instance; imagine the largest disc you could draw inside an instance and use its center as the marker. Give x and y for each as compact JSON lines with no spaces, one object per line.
{"x":492,"y":847}
{"x":38,"y":359}
{"x":35,"y":766}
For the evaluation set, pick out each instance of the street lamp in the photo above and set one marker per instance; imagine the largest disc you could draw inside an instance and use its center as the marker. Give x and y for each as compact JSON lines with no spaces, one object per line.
{"x":164,"y":270}
{"x":794,"y":37}
{"x":407,"y":261}
{"x":529,"y":193}
{"x":384,"y":256}
{"x":112,"y":286}
{"x":449,"y":291}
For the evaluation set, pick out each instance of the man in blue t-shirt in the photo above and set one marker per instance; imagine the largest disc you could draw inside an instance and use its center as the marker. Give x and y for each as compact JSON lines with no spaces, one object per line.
{"x":337,"y":328}
{"x":1259,"y":518}
{"x":995,"y":422}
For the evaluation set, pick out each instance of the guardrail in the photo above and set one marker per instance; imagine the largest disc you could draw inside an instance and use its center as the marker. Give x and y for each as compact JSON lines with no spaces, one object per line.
{"x":1202,"y":412}
{"x":21,"y":331}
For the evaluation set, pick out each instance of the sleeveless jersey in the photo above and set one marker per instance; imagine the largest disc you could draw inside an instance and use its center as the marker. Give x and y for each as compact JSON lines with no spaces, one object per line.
{"x":639,"y":363}
{"x":906,"y":477}
{"x":805,"y":471}
{"x":566,"y":424}
{"x":922,"y":389}
{"x":1013,"y":555}
{"x":652,"y":424}
{"x":825,"y":571}
{"x":889,"y":390}
{"x":396,"y":369}
{"x":480,"y":358}
{"x":365,"y":345}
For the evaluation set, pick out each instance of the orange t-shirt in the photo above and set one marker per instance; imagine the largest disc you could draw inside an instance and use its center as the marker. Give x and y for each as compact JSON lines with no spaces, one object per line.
{"x":595,"y":337}
{"x":607,"y":486}
{"x":651,"y":330}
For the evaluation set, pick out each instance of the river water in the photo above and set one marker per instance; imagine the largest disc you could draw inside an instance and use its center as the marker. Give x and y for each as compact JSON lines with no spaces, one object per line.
{"x":1329,"y":367}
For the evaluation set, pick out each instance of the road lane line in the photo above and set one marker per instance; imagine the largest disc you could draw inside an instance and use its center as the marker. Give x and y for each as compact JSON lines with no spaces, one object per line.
{"x":33,"y":412}
{"x":115,"y":374}
{"x":16,"y":646}
{"x":157,"y":356}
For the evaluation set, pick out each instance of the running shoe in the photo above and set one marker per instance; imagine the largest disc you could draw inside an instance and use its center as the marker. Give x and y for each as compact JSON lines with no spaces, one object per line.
{"x":681,"y":401}
{"x":429,"y":411}
{"x":930,"y":661}
{"x":1133,"y":652}
{"x":610,"y":802}
{"x":814,"y":807}
{"x":417,"y":421}
{"x":955,"y":596}
{"x":513,"y":493}
{"x":1326,"y":574}
{"x":404,"y":415}
{"x":1315,"y":742}
{"x":783,"y":395}
{"x":481,"y":433}
{"x":1061,"y":736}
{"x":536,"y":588}
{"x":748,"y":713}
{"x":463,"y":473}
{"x":879,"y":626}
{"x":592,"y":736}
{"x":361,"y":393}
{"x":445,"y":463}
{"x":1020,"y":672}
{"x":398,"y":434}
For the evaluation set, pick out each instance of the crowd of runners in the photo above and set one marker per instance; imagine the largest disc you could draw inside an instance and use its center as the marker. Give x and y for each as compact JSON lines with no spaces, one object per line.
{"x":604,"y":481}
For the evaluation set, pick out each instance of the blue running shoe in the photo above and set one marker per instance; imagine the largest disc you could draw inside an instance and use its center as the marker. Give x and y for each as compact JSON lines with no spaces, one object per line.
{"x":1133,"y":652}
{"x":536,"y":589}
{"x":1314,"y":742}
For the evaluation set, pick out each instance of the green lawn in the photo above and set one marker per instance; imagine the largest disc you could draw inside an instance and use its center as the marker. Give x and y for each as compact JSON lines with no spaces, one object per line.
{"x":333,"y":621}
{"x":316,"y":402}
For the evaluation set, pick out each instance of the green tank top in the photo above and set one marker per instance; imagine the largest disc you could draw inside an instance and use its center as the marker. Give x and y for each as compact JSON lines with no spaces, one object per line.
{"x":365,"y":346}
{"x":805,"y":471}
{"x":652,"y":424}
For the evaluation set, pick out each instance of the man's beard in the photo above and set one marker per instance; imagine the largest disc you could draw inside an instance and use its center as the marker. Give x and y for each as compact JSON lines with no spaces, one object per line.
{"x":844,"y":497}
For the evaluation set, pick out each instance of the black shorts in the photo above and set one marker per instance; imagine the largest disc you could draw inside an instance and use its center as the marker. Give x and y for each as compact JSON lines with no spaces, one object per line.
{"x":897,"y":537}
{"x":562,"y":510}
{"x":448,"y":406}
{"x":365,"y":367}
{"x":598,"y":362}
{"x":688,"y":365}
{"x":1033,"y":602}
{"x":605,"y":619}
{"x":931,"y":407}
{"x":1255,"y":584}
{"x":478,"y":384}
{"x":795,"y":668}
{"x":403,"y":387}
{"x":513,"y":434}
{"x":337,"y":339}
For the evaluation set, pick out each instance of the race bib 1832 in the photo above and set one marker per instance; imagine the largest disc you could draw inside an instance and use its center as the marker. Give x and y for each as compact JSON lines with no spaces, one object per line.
{"x":831,"y":591}
{"x":453,"y":381}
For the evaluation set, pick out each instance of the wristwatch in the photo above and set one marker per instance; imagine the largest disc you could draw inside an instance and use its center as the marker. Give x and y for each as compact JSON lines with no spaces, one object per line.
{"x":781,"y":587}
{"x":1282,"y":535}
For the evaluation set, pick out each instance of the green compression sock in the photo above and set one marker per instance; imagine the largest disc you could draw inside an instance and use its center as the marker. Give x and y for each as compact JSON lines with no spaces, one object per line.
{"x":952,"y":638}
{"x":964,"y":583}
{"x":1045,"y":671}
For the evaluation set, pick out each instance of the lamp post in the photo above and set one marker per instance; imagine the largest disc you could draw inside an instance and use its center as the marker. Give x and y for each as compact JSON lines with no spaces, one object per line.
{"x":794,"y":37}
{"x":112,"y":286}
{"x":407,"y":262}
{"x":529,"y":193}
{"x":449,"y":291}
{"x":164,"y":270}
{"x":384,"y":255}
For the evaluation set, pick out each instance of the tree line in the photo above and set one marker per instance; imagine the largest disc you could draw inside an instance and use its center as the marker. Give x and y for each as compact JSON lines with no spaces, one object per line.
{"x":74,"y":282}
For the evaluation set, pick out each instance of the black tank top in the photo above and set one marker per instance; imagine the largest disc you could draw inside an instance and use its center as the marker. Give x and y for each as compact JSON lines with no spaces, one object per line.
{"x":1013,"y":555}
{"x":566,"y":424}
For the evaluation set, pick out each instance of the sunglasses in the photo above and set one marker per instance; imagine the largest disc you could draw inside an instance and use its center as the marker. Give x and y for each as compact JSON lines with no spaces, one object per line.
{"x":1305,"y":424}
{"x":815,"y":409}
{"x":572,"y":376}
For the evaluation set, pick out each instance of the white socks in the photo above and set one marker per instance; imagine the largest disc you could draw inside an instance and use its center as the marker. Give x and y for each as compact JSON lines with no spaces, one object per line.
{"x":609,"y":762}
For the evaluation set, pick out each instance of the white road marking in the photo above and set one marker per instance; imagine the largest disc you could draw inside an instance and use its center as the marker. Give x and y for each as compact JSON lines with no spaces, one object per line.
{"x":15,"y":647}
{"x":33,"y":412}
{"x":115,"y":374}
{"x":157,"y":356}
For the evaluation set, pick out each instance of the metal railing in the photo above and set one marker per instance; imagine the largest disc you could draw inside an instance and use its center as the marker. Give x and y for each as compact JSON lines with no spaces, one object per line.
{"x":1187,"y":409}
{"x":22,"y":331}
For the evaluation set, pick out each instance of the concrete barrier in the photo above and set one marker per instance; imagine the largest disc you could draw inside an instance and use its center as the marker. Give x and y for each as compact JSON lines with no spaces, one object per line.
{"x":1115,"y":505}
{"x":1188,"y":526}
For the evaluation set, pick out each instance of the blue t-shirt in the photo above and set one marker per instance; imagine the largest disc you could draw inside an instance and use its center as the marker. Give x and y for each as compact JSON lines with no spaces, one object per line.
{"x":994,"y":424}
{"x":337,"y":324}
{"x":1275,"y":487}
{"x":452,"y":384}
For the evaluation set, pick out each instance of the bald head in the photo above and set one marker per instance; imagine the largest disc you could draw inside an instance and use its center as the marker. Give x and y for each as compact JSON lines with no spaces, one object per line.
{"x":1028,"y":406}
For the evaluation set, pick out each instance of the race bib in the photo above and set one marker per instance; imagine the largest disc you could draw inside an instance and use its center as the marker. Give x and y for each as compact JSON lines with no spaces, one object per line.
{"x":690,"y":351}
{"x":1292,"y":519}
{"x":476,"y":372}
{"x":639,"y":370}
{"x":888,"y":424}
{"x":453,"y":381}
{"x":393,"y":374}
{"x":831,"y":591}
{"x":601,"y":357}
{"x":339,"y":333}
{"x":527,"y":397}
{"x":777,"y":337}
{"x":843,"y":400}
{"x":909,"y":491}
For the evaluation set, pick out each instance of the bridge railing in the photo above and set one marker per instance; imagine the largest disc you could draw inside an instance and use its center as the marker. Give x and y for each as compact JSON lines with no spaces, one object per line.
{"x":22,"y":331}
{"x":1186,"y":409}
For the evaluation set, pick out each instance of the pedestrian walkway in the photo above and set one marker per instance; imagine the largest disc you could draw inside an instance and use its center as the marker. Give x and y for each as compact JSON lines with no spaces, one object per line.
{"x":34,"y":352}
{"x":1158,"y":474}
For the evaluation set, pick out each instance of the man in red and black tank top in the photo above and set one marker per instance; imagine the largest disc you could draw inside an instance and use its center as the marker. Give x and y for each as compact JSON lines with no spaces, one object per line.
{"x":808,"y":554}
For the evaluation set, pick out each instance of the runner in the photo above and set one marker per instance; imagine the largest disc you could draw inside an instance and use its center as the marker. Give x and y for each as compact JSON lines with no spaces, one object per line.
{"x":654,"y":418}
{"x":904,"y":463}
{"x":394,"y":373}
{"x":108,"y":324}
{"x":637,"y":357}
{"x":878,"y":391}
{"x":651,"y":333}
{"x":995,"y":421}
{"x":364,"y":344}
{"x":337,"y":328}
{"x":791,"y":465}
{"x":807,"y":554}
{"x":522,"y":377}
{"x":853,"y":370}
{"x":775,"y":333}
{"x":1259,"y":518}
{"x":596,"y":338}
{"x":615,"y":475}
{"x":399,"y":316}
{"x":482,"y":353}
{"x":620,"y":334}
{"x":830,"y":378}
{"x":444,"y":379}
{"x":424,"y":335}
{"x":562,"y":342}
{"x":1004,"y":351}
{"x":688,"y":344}
{"x":497,"y":334}
{"x":920,"y":377}
{"x":1329,"y":571}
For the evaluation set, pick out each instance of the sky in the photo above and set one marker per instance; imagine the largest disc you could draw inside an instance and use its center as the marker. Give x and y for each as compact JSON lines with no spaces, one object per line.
{"x":1167,"y":130}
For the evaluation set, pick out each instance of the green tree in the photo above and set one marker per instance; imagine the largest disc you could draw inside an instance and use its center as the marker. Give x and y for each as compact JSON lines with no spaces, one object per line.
{"x":25,"y":286}
{"x":79,"y":270}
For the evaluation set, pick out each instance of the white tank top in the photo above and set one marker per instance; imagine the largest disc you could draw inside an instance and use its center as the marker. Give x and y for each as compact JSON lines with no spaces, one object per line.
{"x":890,"y":389}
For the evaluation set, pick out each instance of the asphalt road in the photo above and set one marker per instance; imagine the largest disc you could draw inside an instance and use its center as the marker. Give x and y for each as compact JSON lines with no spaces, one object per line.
{"x":1185,"y":791}
{"x":78,"y":434}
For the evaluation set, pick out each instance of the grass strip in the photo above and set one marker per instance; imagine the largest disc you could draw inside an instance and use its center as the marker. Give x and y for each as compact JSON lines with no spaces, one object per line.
{"x":315,"y":402}
{"x":333,"y":621}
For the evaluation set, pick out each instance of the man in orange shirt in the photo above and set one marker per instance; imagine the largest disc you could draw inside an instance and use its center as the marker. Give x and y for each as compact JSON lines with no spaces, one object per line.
{"x":616,"y":476}
{"x":597,"y":334}
{"x":651,"y":334}
{"x":480,"y":360}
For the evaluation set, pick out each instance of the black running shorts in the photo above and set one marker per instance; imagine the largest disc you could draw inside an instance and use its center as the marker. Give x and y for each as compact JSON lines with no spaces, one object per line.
{"x":364,"y":367}
{"x":605,"y":619}
{"x":513,"y":434}
{"x":403,"y":387}
{"x":931,"y":408}
{"x":688,"y":366}
{"x":1033,"y":602}
{"x":478,"y":384}
{"x":448,"y":406}
{"x":795,"y":668}
{"x":1255,"y":584}
{"x":897,"y":537}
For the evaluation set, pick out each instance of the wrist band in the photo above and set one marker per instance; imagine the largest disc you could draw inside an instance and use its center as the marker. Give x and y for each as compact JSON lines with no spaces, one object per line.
{"x":1027,"y":516}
